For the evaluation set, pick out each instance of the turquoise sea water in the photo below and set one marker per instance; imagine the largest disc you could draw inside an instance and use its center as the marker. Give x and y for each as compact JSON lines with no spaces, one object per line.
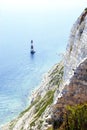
{"x":21,"y":72}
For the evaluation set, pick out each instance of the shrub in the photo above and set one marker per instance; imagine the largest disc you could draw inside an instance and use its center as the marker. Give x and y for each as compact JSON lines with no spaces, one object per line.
{"x":76,"y":118}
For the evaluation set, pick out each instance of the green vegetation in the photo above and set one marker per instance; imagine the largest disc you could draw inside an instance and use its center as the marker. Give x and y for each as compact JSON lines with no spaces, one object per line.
{"x":85,"y":9}
{"x":22,"y":128}
{"x":56,"y":75}
{"x":42,"y":103}
{"x":41,"y":106}
{"x":40,"y":124}
{"x":26,"y":110}
{"x":50,"y":128}
{"x":45,"y":101}
{"x":75,"y":118}
{"x":71,"y":47}
{"x":12,"y":124}
{"x":33,"y":123}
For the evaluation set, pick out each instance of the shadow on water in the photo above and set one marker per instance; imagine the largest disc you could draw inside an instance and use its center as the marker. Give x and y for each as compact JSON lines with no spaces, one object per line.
{"x":32,"y":56}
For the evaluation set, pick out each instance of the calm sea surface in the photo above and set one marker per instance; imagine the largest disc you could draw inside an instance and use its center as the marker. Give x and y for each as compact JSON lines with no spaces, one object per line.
{"x":21,"y":72}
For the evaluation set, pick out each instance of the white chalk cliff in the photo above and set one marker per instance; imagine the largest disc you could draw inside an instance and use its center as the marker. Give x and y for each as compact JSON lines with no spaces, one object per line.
{"x":34,"y":117}
{"x":77,"y":46}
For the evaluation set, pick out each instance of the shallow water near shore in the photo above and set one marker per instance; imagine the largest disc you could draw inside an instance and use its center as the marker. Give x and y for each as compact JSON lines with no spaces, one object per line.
{"x":21,"y":72}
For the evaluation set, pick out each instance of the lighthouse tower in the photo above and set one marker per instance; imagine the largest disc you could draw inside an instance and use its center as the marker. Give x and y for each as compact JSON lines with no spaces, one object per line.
{"x":32,"y":47}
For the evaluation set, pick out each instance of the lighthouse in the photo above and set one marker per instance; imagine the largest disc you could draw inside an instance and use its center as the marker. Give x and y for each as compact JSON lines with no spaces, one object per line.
{"x":32,"y":48}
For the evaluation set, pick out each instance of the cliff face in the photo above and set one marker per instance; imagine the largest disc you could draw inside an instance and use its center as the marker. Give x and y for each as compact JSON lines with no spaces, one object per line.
{"x":77,"y":48}
{"x":74,"y":88}
{"x":67,"y":80}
